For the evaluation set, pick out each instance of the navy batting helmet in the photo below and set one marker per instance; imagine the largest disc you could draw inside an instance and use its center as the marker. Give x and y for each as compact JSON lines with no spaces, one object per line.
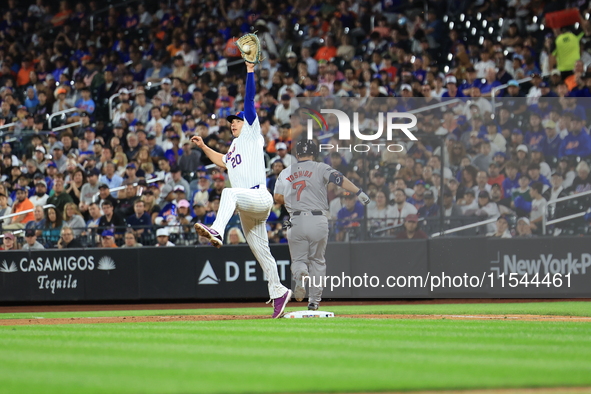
{"x":306,"y":148}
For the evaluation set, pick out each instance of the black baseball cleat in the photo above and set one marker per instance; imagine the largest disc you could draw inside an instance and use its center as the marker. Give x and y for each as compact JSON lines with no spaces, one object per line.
{"x":312,"y":306}
{"x":213,"y":236}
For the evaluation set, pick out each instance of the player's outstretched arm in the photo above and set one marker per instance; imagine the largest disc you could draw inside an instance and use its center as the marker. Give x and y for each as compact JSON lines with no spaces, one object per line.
{"x":215,"y":157}
{"x":350,"y":187}
{"x":250,"y":112}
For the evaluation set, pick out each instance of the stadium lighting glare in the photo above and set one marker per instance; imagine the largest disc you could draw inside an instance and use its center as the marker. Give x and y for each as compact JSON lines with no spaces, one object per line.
{"x":542,"y":27}
{"x":505,"y":52}
{"x":535,"y":19}
{"x":346,"y":30}
{"x":490,"y":30}
{"x":473,"y":31}
{"x":500,"y":22}
{"x":446,"y":18}
{"x":479,"y":16}
{"x":462,"y":17}
{"x":301,"y":32}
{"x":468,"y":24}
{"x":587,"y":16}
{"x":446,"y":69}
{"x":481,"y":40}
{"x":296,"y":26}
{"x":577,"y":25}
{"x":451,"y":25}
{"x":499,"y":38}
{"x":484,"y":23}
{"x":450,"y":56}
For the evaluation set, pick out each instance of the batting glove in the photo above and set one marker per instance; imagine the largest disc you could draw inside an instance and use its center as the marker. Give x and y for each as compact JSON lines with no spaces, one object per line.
{"x":364,"y":198}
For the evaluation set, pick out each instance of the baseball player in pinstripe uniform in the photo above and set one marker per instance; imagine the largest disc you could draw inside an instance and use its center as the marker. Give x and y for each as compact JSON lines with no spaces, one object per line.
{"x":246,"y":169}
{"x":302,"y":188}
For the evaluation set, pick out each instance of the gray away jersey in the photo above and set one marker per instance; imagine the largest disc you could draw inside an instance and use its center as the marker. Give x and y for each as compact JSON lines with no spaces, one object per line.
{"x":303,"y":186}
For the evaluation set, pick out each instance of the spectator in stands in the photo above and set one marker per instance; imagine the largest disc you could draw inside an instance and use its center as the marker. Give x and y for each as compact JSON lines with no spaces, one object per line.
{"x":110,"y":178}
{"x":523,"y":228}
{"x":533,"y":170}
{"x":94,"y":211}
{"x":73,"y":219}
{"x":581,"y":183}
{"x":108,"y":239}
{"x":59,"y":198}
{"x":502,"y":228}
{"x":40,"y":197}
{"x":190,"y":159}
{"x":39,"y":221}
{"x":4,"y":208}
{"x":430,"y":209}
{"x":52,"y":228}
{"x":482,"y":183}
{"x":162,"y":237}
{"x":140,"y":221}
{"x":469,"y":203}
{"x":417,"y":198}
{"x":282,"y":155}
{"x":77,"y":180}
{"x":110,"y":219}
{"x":31,"y":242}
{"x":235,"y":236}
{"x":380,"y":213}
{"x":511,"y":182}
{"x":68,"y":240}
{"x":22,"y":204}
{"x":449,"y":206}
{"x":557,"y":190}
{"x":349,"y":216}
{"x":411,"y":229}
{"x":130,"y":240}
{"x":9,"y":242}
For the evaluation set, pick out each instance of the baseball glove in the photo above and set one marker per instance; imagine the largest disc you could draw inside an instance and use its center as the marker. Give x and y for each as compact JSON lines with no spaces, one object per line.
{"x":250,"y":48}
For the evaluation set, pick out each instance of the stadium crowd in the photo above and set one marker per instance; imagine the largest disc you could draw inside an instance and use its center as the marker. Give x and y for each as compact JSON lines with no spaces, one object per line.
{"x":130,"y":85}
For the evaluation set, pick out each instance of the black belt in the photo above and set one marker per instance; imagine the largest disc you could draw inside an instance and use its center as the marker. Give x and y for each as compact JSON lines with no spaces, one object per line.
{"x":315,"y":213}
{"x":256,"y":187}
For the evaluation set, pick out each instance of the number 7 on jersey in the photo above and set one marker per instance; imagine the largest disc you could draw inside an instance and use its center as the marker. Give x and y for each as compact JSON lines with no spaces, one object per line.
{"x":299,"y":187}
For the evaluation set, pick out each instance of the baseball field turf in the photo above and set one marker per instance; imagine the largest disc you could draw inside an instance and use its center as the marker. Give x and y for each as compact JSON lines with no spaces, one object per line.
{"x":343,"y":354}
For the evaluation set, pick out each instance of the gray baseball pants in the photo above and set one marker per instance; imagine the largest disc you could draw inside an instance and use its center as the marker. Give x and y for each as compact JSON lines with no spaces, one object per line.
{"x":307,"y":238}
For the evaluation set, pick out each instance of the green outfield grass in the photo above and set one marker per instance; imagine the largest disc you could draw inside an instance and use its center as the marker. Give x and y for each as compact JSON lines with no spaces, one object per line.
{"x":300,"y":355}
{"x":577,"y":308}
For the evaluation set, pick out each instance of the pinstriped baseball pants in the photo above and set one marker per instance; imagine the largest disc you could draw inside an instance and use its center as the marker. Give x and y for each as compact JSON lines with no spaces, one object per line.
{"x":253,"y":206}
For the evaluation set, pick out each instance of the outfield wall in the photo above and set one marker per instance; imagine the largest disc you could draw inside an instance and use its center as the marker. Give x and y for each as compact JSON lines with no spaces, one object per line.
{"x":462,"y":267}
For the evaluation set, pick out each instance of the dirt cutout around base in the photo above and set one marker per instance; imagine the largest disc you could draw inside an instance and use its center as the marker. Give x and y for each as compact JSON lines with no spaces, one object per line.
{"x":160,"y":319}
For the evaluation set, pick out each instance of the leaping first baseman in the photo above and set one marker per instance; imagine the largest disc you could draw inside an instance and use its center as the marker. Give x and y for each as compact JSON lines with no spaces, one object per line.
{"x":246,"y":169}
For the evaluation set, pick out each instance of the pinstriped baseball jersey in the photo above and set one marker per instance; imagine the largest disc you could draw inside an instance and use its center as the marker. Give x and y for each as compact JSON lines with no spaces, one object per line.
{"x":303,"y":186}
{"x":245,"y":159}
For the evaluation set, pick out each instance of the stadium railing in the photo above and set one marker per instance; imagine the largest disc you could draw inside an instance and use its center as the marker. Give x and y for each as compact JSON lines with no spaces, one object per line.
{"x":462,"y":228}
{"x":574,"y":197}
{"x":63,"y":113}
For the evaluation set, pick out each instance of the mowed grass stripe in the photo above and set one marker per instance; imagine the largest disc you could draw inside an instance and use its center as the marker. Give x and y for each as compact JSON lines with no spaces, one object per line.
{"x":299,"y":356}
{"x":566,"y":308}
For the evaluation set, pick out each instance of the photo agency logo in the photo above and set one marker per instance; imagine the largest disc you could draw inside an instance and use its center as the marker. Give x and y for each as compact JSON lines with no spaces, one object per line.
{"x":387,"y":123}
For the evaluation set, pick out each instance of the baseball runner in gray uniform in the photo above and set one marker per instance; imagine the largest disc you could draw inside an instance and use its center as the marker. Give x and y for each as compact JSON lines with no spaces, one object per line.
{"x":302,"y":189}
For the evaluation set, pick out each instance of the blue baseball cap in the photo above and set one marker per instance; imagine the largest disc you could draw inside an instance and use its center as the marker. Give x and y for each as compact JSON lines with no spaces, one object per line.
{"x":420,"y":182}
{"x":513,"y":83}
{"x":500,"y":154}
{"x":108,"y":233}
{"x":239,"y":116}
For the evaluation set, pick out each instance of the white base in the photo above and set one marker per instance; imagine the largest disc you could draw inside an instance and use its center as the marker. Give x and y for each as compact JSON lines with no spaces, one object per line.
{"x":304,"y":314}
